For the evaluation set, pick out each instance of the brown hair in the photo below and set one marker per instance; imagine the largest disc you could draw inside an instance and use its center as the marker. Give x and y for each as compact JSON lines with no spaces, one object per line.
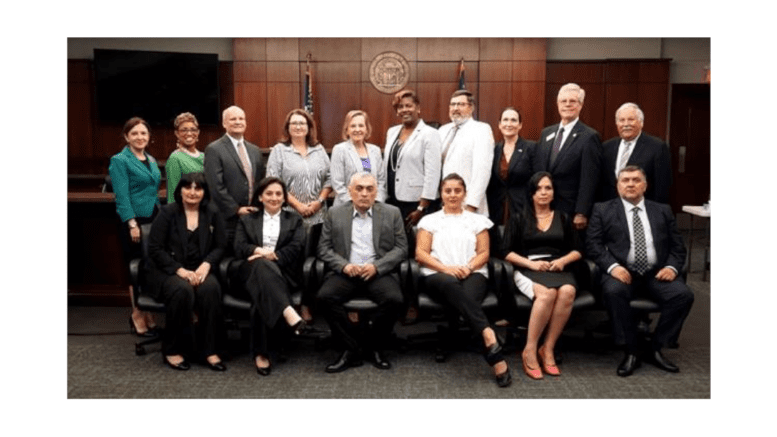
{"x":311,"y":138}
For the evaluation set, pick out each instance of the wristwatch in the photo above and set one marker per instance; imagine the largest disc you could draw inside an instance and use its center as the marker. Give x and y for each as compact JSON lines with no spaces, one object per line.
{"x":420,"y":208}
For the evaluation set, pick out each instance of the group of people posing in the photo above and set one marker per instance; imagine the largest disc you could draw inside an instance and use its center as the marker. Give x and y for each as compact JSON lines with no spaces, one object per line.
{"x":440,"y":196}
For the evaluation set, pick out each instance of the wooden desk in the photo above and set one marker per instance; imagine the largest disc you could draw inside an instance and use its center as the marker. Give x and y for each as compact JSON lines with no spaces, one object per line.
{"x":699,"y":211}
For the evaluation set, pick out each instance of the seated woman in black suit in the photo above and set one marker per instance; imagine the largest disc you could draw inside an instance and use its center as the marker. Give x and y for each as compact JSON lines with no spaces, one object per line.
{"x":272,"y":241}
{"x":186,"y":240}
{"x":453,"y":250}
{"x":543,"y":244}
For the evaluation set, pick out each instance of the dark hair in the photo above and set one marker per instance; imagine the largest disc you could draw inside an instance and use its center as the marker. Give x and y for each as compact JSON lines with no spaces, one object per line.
{"x":187,"y":179}
{"x":311,"y":139}
{"x":402,"y":94}
{"x":631,"y":168}
{"x":510,"y":108}
{"x":529,"y":214}
{"x":470,"y":97}
{"x":263,"y":184}
{"x":453,"y":177}
{"x":132,"y":122}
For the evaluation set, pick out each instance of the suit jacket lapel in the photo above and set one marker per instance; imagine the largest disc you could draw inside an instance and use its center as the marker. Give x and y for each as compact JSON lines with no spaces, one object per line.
{"x":233,"y":153}
{"x":139,"y":166}
{"x":376,"y":225}
{"x":204,"y":233}
{"x":411,"y":139}
{"x":179,"y":222}
{"x":348,"y":220}
{"x":568,"y":144}
{"x":284,"y":226}
{"x":639,"y":149}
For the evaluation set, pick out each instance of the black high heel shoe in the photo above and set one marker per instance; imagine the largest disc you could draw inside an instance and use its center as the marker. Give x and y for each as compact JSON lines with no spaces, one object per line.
{"x":299,"y":327}
{"x":134,"y":330}
{"x":183,"y":365}
{"x":493,"y":356}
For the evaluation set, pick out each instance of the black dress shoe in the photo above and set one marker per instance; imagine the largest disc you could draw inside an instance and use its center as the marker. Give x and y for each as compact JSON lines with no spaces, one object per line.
{"x":148,"y":334}
{"x":662,"y":363}
{"x":347,"y":359}
{"x":218,"y":367}
{"x":628,"y":365}
{"x":299,"y":327}
{"x":264,"y":371}
{"x":379,"y":361}
{"x":183,"y":365}
{"x":504,"y":379}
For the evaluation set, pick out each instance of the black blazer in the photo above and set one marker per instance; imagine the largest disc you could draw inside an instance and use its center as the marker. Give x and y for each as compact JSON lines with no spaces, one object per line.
{"x":576,"y":168}
{"x":168,"y":239}
{"x":520,"y":169}
{"x":227,"y":181}
{"x":651,"y":154}
{"x":290,"y":245}
{"x":608,"y":240}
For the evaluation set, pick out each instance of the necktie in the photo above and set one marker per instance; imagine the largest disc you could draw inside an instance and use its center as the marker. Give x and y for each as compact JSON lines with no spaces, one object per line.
{"x":448,"y":141}
{"x":556,"y":145}
{"x":241,"y":151}
{"x":624,"y":157}
{"x":640,"y":248}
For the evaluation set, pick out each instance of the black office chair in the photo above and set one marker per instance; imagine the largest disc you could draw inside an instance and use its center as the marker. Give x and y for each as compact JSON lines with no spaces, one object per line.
{"x":143,"y":301}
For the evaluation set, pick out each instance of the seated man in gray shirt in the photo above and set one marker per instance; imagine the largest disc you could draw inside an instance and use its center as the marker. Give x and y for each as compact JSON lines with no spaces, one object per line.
{"x":362,"y":244}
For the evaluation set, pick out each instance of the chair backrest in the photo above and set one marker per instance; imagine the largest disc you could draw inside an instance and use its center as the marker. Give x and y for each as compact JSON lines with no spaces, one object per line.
{"x":107,"y":184}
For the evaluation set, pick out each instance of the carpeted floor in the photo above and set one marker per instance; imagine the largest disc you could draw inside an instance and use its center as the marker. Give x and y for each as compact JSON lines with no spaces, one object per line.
{"x":101,"y":363}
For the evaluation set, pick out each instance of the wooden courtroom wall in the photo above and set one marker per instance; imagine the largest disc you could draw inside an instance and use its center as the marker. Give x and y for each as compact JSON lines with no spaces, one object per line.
{"x":269,"y":75}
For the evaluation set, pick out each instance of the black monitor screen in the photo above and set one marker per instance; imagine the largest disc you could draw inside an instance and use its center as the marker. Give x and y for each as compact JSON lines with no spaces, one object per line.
{"x":156,"y":86}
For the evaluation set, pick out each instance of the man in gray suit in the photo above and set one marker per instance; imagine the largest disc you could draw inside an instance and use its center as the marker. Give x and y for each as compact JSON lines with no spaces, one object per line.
{"x":233,"y":168}
{"x":362,"y":244}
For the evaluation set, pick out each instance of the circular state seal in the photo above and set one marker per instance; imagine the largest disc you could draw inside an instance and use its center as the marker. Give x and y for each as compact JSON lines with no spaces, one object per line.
{"x":389,"y":72}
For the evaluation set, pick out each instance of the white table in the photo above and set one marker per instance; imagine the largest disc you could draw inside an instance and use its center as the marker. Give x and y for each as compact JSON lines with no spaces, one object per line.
{"x":698,"y":211}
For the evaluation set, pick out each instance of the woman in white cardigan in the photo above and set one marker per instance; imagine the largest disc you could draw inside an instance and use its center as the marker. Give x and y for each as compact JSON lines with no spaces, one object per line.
{"x":354,"y":155}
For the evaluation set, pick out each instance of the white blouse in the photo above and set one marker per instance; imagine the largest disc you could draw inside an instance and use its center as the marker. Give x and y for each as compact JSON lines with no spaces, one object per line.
{"x":271,"y":228}
{"x":454,"y":237}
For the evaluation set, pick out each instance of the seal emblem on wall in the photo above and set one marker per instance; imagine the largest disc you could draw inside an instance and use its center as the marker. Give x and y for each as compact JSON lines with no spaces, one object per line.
{"x":389,"y":72}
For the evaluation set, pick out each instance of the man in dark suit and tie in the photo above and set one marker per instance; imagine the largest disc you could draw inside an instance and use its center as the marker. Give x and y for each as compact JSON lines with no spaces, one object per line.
{"x":362,"y":244}
{"x":233,"y":168}
{"x":634,"y":147}
{"x":570,"y":151}
{"x":636,"y":245}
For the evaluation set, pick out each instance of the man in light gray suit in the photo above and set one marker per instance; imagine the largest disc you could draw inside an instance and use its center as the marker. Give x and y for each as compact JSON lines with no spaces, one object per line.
{"x":233,"y":168}
{"x":362,"y":243}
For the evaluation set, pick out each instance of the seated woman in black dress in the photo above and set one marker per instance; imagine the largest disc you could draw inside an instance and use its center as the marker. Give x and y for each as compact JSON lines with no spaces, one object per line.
{"x":186,"y":240}
{"x":543,"y":245}
{"x":272,"y":241}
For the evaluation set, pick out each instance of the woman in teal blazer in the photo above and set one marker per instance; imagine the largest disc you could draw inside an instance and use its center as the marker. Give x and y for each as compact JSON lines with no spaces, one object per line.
{"x":135,"y":177}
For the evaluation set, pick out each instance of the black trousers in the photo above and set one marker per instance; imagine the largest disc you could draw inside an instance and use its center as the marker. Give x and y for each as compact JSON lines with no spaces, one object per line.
{"x":463,"y":296}
{"x":182,"y":301}
{"x":270,"y":294}
{"x":383,"y":290}
{"x":674,"y":298}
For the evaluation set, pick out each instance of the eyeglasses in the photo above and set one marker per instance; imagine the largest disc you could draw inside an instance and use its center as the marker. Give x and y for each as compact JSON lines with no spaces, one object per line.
{"x":188,"y":131}
{"x":298,"y":123}
{"x":459,"y":104}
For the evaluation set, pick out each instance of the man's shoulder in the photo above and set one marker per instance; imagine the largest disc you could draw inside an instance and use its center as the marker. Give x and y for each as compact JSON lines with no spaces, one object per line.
{"x":217,"y":144}
{"x":608,"y":207}
{"x":651,"y":140}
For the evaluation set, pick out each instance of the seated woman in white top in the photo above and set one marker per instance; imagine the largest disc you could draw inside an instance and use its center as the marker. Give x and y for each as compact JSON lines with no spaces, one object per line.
{"x":453,"y":249}
{"x":271,"y":240}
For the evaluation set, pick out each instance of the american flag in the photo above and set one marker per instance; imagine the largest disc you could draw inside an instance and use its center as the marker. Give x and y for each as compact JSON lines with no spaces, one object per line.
{"x":462,"y":84}
{"x":307,"y":92}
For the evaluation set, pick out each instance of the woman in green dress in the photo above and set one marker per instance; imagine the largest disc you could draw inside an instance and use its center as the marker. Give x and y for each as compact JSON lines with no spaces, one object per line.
{"x":185,"y":158}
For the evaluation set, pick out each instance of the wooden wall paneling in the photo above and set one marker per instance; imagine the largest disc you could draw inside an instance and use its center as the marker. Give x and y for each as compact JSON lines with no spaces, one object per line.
{"x":382,"y":115}
{"x":616,"y":95}
{"x":407,"y":47}
{"x":331,"y":49}
{"x":448,"y":49}
{"x":249,"y":71}
{"x":434,"y":101}
{"x":79,"y":108}
{"x":496,"y":49}
{"x":593,"y":113}
{"x":561,"y":72}
{"x":252,"y":98}
{"x":335,"y":100}
{"x":282,"y":97}
{"x":495,"y":96}
{"x":283,"y":49}
{"x":529,"y":98}
{"x":496,"y":71}
{"x":530,"y":49}
{"x":249,"y":49}
{"x":653,"y":99}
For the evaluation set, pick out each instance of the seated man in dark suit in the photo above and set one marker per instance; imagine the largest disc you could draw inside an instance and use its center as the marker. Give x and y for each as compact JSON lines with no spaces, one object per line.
{"x":636,"y":244}
{"x":233,"y":168}
{"x":362,"y":244}
{"x":634,"y":147}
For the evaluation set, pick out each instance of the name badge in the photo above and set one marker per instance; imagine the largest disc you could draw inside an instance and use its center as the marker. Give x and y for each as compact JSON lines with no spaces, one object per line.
{"x":550,"y":137}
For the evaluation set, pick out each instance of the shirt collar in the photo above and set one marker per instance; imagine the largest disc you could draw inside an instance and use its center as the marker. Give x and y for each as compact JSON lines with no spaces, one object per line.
{"x":269,"y":216}
{"x":356,"y":212}
{"x":628,"y":206}
{"x":634,"y":141}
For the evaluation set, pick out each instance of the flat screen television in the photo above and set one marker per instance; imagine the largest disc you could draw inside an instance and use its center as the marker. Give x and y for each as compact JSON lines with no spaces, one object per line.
{"x":156,"y":86}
